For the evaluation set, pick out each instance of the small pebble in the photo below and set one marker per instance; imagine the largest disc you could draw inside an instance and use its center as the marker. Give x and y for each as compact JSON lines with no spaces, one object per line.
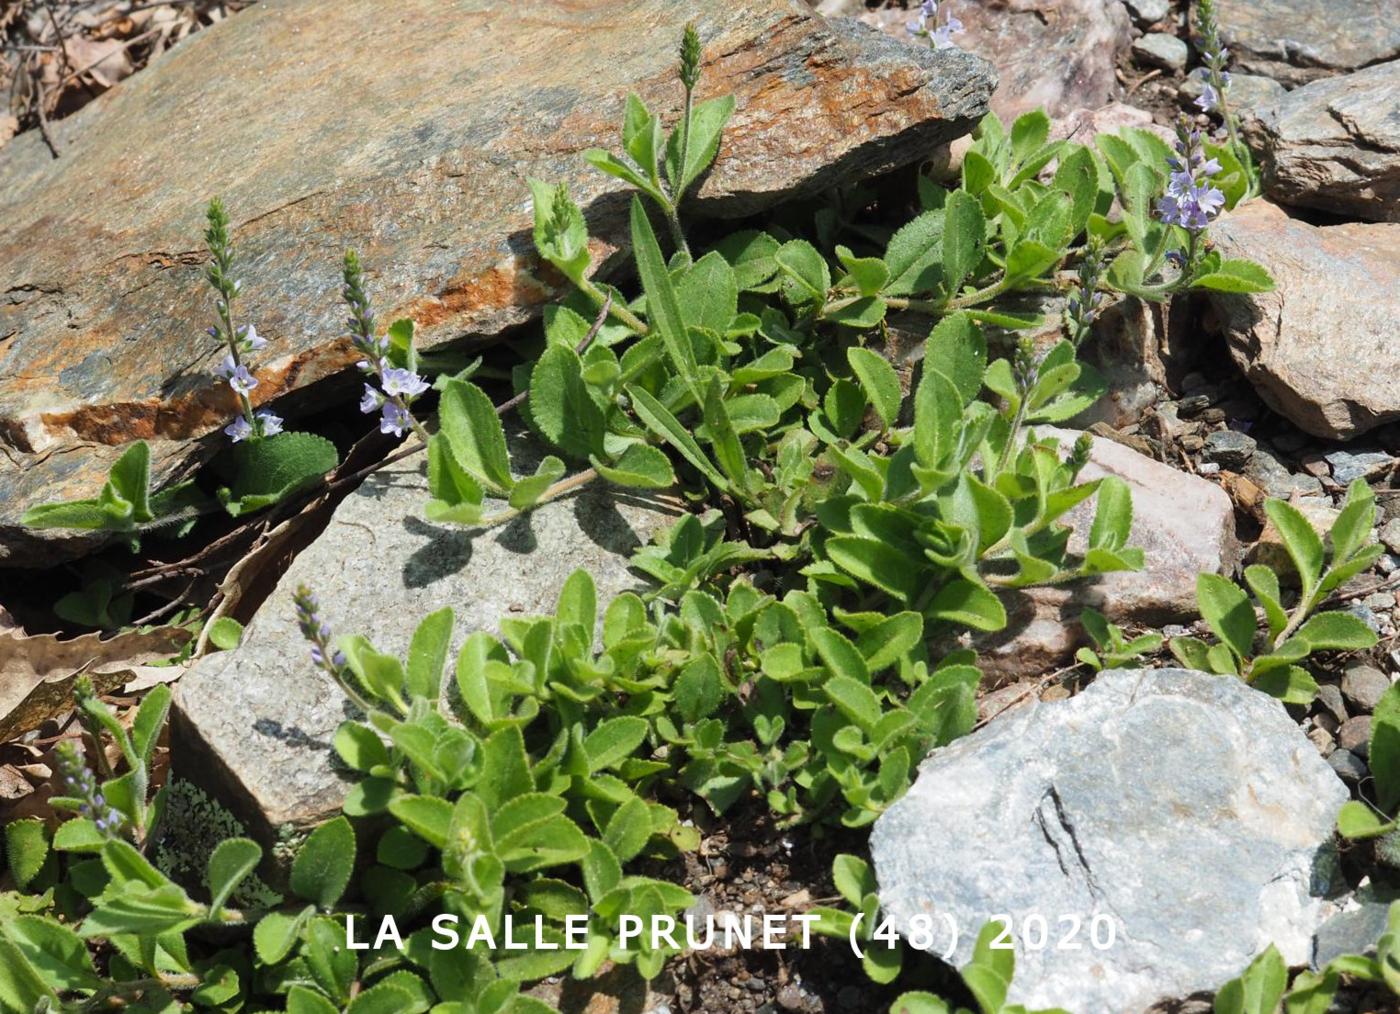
{"x":1329,"y":695}
{"x":1347,"y":466}
{"x":1208,"y":468}
{"x":1229,"y":449}
{"x":790,"y":997}
{"x":1355,"y":735}
{"x":1148,"y":12}
{"x":1366,"y":615}
{"x":1390,"y":535}
{"x":1349,"y":767}
{"x":1323,"y":740}
{"x":1158,"y":49}
{"x":1364,"y":685}
{"x":1381,"y":600}
{"x":1388,"y":563}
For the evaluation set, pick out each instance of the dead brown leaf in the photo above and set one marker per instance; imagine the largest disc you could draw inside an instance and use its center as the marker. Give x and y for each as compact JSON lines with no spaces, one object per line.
{"x":37,"y":673}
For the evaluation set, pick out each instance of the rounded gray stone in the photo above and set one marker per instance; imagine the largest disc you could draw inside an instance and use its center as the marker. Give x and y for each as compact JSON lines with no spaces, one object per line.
{"x":1229,"y":449}
{"x":1363,"y":686}
{"x":1161,"y":50}
{"x":1186,"y":810}
{"x":1349,"y":767}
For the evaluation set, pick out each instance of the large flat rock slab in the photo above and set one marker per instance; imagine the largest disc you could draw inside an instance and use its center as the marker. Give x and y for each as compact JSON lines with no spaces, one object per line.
{"x":1334,"y":145}
{"x":1183,"y":816}
{"x":254,"y":724}
{"x":410,"y":141}
{"x":1322,"y":349}
{"x":1184,"y":525}
{"x":1295,"y":41}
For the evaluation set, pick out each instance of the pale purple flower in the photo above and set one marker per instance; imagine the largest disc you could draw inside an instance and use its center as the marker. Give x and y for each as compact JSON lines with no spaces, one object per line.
{"x":1209,"y":98}
{"x":269,"y":424}
{"x":241,"y":380}
{"x":239,"y":430}
{"x":394,"y":419}
{"x":370,"y":400}
{"x":249,"y":338}
{"x":403,"y":383}
{"x":1190,"y":201}
{"x":942,"y":36}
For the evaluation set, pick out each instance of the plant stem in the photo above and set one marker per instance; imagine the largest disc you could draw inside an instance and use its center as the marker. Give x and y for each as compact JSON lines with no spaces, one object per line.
{"x":560,"y":488}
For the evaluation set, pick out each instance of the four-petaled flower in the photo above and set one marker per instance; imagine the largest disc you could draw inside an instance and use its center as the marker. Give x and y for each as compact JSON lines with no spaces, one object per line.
{"x":269,"y":424}
{"x":236,"y":374}
{"x":402,"y":383}
{"x":1190,"y":200}
{"x":370,"y":400}
{"x":394,"y":419}
{"x":926,"y":25}
{"x":249,"y":338}
{"x":239,"y":430}
{"x":1209,"y":98}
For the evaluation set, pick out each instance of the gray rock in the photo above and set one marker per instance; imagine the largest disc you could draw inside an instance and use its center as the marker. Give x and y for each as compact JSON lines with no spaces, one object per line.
{"x":1320,"y":348}
{"x":1334,"y":144}
{"x":255,"y":724}
{"x":1248,"y":92}
{"x":1274,"y":478}
{"x":411,"y":143}
{"x":1158,"y":49}
{"x":1347,"y":466}
{"x":1366,"y":615}
{"x":1301,"y":40}
{"x":1184,"y":524}
{"x":1356,"y":928}
{"x":1329,"y":695}
{"x":1355,"y":735}
{"x":1390,"y":534}
{"x":1230,"y":449}
{"x":1349,"y":767}
{"x":1185,"y":810}
{"x":1363,"y":685}
{"x":1147,"y":12}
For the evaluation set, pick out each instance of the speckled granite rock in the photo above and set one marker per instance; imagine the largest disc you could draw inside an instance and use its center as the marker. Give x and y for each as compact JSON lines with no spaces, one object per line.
{"x":1185,"y":810}
{"x":1321,"y":348}
{"x":411,"y":142}
{"x":254,"y":724}
{"x":1295,"y":41}
{"x":1334,"y":144}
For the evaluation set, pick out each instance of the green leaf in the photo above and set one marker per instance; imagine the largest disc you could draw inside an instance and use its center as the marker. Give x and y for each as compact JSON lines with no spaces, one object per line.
{"x":1225,"y":606}
{"x":529,"y":490}
{"x":861,"y":314}
{"x":614,"y":166}
{"x":231,"y":861}
{"x":628,"y":829}
{"x":937,"y":418}
{"x":560,"y":408}
{"x":225,"y":633}
{"x":130,"y":478}
{"x":427,"y":817}
{"x":867,"y":275}
{"x":1259,"y":990}
{"x":427,"y":653}
{"x":1235,"y":276}
{"x":613,"y":740}
{"x":26,"y":848}
{"x":972,"y":605}
{"x":55,"y":952}
{"x":1113,"y":517}
{"x":878,"y":380}
{"x":474,"y":433}
{"x":957,"y":349}
{"x":561,"y":235}
{"x":708,"y":293}
{"x":1030,"y":259}
{"x":855,"y":700}
{"x":1384,"y":755}
{"x":667,"y":427}
{"x":276,"y":934}
{"x":360,"y":747}
{"x":301,"y":1000}
{"x":273,"y":468}
{"x":729,"y":452}
{"x":876,"y":563}
{"x":663,"y":307}
{"x":640,"y":466}
{"x":149,"y":721}
{"x":1292,"y":684}
{"x":1263,"y":582}
{"x":1300,"y":540}
{"x":964,"y":239}
{"x":1357,"y":821}
{"x":1337,"y":632}
{"x":324,"y":862}
{"x":807,"y":276}
{"x":914,"y":256}
{"x":706,"y":125}
{"x":919,"y":1002}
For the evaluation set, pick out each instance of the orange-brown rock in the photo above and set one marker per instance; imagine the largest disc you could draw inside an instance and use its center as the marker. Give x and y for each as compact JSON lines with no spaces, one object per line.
{"x":403,"y":130}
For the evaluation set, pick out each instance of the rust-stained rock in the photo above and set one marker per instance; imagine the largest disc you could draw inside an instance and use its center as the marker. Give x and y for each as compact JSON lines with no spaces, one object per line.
{"x":410,"y":141}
